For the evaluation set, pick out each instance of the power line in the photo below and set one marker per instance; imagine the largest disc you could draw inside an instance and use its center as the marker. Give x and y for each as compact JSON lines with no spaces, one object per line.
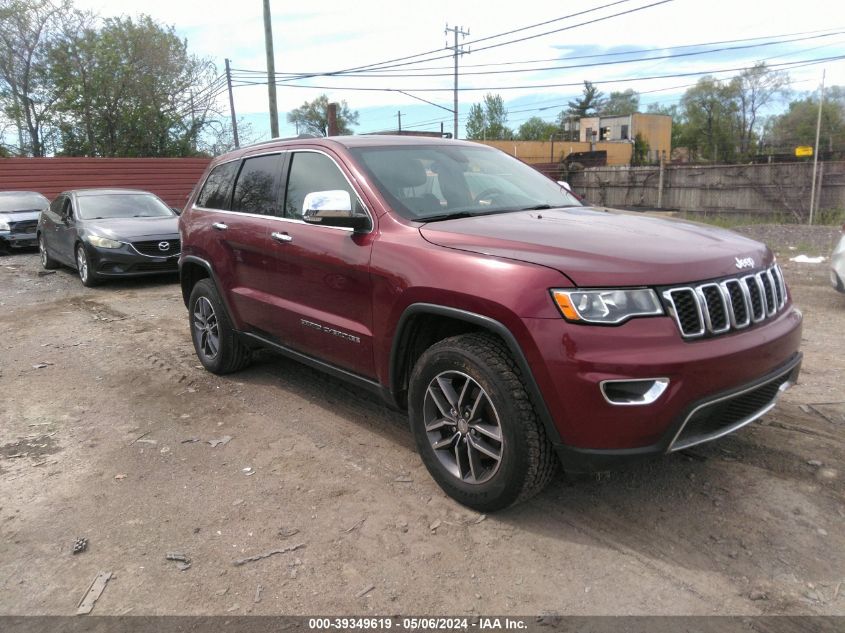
{"x":437,"y":50}
{"x":249,"y":73}
{"x":613,"y":54}
{"x":795,"y":64}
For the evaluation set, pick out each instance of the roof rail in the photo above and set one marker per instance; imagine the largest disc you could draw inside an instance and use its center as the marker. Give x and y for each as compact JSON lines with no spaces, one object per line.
{"x":280,"y":138}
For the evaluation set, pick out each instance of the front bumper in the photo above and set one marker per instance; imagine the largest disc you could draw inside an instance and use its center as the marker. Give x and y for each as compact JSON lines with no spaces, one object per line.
{"x":18,"y":240}
{"x":127,"y":262}
{"x":573,"y":361}
{"x":704,"y":421}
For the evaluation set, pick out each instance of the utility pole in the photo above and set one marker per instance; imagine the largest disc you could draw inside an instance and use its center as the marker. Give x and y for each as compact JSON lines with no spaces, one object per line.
{"x":271,"y":71}
{"x":331,"y":120}
{"x":232,"y":104}
{"x":816,"y":151}
{"x":193,"y":124}
{"x":399,"y":114}
{"x":458,"y":50}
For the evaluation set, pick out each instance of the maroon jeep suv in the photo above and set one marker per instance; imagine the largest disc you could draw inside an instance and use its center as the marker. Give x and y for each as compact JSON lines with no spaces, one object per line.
{"x":518,"y":328}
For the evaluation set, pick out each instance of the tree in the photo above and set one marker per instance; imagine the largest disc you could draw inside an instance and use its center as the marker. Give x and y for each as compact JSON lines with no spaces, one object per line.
{"x":589,"y":104}
{"x":639,"y":154}
{"x":536,"y":129}
{"x":712,"y":125}
{"x":797,"y":126}
{"x":130,"y":88}
{"x":488,"y":120}
{"x":756,"y":88}
{"x":312,"y":117}
{"x":26,"y":96}
{"x":219,"y":137}
{"x":621,"y":103}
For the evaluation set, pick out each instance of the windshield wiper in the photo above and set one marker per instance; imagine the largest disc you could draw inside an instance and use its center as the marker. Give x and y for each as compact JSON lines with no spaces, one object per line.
{"x":537,"y":207}
{"x":447,"y":216}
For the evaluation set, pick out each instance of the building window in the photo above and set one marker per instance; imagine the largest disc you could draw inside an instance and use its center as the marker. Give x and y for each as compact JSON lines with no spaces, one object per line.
{"x":624,"y":132}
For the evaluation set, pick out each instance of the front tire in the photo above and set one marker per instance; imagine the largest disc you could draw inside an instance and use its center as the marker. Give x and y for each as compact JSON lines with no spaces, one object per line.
{"x":474,"y":425}
{"x":216,"y":342}
{"x":87,"y":275}
{"x":47,"y":262}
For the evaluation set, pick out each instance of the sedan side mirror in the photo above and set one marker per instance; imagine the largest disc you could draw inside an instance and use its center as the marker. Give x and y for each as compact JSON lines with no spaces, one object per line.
{"x":333,"y":208}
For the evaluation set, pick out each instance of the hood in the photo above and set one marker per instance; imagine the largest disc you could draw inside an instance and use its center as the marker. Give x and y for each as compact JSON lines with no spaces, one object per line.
{"x":19,"y":216}
{"x":134,"y":228}
{"x":602,"y":248}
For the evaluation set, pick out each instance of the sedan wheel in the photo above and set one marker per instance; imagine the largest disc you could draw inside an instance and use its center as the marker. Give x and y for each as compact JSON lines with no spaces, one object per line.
{"x":83,"y":266}
{"x":47,"y":262}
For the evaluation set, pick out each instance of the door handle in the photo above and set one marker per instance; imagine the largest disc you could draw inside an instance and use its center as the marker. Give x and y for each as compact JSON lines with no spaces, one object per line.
{"x":220,"y":226}
{"x":284,"y":238}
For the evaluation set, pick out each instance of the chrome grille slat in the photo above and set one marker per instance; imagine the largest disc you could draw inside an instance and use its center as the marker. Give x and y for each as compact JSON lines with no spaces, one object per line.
{"x":718,"y":307}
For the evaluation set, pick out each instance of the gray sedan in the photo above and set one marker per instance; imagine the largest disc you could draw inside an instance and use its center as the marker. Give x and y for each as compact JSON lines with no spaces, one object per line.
{"x":109,"y":233}
{"x":19,"y":212}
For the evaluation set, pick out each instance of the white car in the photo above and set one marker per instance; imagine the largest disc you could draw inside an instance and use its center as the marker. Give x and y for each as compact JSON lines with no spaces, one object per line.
{"x":837,"y":264}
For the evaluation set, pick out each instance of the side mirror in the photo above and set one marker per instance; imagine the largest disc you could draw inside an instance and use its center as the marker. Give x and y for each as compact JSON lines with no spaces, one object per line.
{"x":332,"y":208}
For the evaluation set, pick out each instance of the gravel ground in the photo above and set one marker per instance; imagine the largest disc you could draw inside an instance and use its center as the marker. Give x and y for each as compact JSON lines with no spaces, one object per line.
{"x":110,"y":432}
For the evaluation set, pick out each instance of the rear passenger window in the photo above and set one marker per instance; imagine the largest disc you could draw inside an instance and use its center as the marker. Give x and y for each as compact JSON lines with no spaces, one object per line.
{"x":218,"y":186}
{"x":255,"y":191}
{"x":310,"y":172}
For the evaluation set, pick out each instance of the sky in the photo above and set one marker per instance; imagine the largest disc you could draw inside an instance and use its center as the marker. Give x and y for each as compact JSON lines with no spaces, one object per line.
{"x":328,"y":36}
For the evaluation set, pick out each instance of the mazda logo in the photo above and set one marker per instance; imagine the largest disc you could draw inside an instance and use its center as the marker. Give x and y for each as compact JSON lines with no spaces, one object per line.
{"x":164,"y":246}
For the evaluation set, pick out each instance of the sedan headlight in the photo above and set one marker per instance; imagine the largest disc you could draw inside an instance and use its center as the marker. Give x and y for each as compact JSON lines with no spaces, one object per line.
{"x":607,"y":306}
{"x":103,"y":242}
{"x":4,"y":225}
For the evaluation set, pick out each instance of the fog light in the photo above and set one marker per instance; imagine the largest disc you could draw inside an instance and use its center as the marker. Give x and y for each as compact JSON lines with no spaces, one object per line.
{"x":633,"y":392}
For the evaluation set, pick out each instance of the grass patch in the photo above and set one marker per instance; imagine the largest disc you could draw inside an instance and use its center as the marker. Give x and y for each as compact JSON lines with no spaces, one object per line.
{"x":824,"y":217}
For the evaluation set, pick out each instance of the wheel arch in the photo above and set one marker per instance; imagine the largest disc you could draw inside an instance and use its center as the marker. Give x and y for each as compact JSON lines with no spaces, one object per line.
{"x":423,"y":324}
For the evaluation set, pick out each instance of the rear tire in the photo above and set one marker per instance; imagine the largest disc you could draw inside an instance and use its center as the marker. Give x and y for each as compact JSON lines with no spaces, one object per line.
{"x":216,"y":342}
{"x":475,"y":427}
{"x":47,"y":262}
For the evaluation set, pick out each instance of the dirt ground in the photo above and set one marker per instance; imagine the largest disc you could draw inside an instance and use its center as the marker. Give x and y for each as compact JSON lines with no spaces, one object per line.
{"x":110,"y":431}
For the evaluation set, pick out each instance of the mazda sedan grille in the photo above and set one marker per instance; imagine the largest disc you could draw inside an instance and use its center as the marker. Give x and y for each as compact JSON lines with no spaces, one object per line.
{"x":158,"y":248}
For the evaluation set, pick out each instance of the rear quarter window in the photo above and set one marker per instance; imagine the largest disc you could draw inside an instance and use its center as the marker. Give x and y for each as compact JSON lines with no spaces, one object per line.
{"x":217,"y":189}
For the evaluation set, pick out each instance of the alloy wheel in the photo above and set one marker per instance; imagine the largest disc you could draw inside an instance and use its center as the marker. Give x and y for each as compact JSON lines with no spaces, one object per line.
{"x":42,"y":249}
{"x":82,"y":264}
{"x":206,"y":328}
{"x":463,"y":427}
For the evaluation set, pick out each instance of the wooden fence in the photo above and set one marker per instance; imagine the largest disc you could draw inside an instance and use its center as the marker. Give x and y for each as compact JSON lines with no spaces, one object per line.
{"x":778,"y":189}
{"x":171,"y":179}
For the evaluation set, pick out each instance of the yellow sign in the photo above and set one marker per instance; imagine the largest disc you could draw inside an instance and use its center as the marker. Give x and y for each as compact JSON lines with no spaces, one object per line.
{"x":803,"y":151}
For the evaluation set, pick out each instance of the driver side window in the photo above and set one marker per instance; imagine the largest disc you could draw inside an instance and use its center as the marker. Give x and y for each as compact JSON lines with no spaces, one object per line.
{"x":67,"y":210}
{"x":310,"y":172}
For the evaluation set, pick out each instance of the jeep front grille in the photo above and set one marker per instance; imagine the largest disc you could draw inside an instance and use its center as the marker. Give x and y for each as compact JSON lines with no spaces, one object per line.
{"x":718,"y":307}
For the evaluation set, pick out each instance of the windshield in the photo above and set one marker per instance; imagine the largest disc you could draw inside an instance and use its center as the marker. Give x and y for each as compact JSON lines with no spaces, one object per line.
{"x":440,"y":181}
{"x":122,"y":205}
{"x":13,"y":201}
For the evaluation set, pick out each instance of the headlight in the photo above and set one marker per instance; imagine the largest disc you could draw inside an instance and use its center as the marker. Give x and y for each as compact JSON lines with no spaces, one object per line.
{"x":103,"y":242}
{"x":607,"y":306}
{"x":4,"y":225}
